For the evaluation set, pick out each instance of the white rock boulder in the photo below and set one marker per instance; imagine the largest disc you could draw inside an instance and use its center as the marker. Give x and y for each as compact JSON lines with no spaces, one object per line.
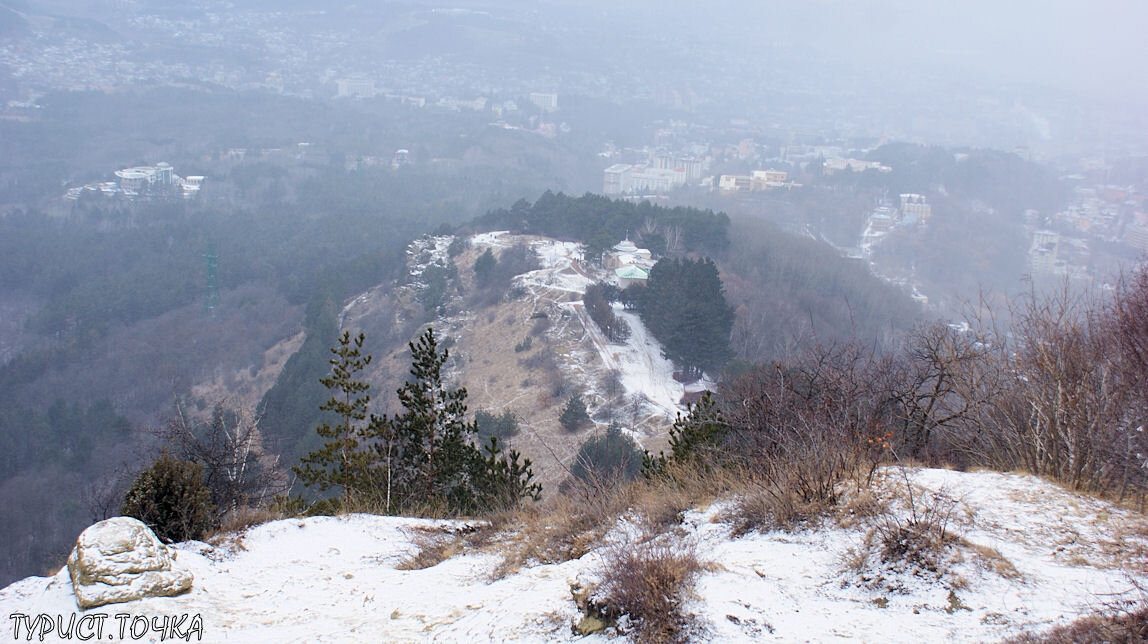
{"x":120,"y":560}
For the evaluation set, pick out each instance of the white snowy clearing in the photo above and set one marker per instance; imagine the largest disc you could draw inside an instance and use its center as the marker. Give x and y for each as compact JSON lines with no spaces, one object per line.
{"x":334,"y":579}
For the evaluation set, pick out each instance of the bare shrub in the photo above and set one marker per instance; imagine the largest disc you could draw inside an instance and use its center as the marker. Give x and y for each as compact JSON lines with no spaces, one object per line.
{"x":809,"y":426}
{"x":937,"y":387}
{"x":921,"y":538}
{"x":773,"y":505}
{"x":648,"y":583}
{"x":228,"y":447}
{"x":1072,"y":392}
{"x":1126,"y":326}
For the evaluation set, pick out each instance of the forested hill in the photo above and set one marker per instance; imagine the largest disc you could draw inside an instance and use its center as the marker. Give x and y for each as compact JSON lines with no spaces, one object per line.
{"x":786,"y":290}
{"x":601,"y":222}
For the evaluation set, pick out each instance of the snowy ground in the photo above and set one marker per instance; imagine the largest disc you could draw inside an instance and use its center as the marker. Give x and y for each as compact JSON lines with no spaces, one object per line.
{"x":334,"y":579}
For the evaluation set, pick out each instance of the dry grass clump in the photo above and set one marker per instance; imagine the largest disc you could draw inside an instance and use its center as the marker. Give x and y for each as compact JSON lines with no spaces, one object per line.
{"x":436,"y":544}
{"x":1128,"y":626}
{"x":861,"y":507}
{"x":768,"y":505}
{"x":922,"y":537}
{"x":648,"y":583}
{"x":788,"y":501}
{"x":562,"y":529}
{"x":568,"y":526}
{"x":242,"y":519}
{"x":992,"y":560}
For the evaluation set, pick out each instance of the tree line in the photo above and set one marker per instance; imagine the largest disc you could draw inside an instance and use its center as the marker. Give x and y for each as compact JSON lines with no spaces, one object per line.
{"x":600,"y":222}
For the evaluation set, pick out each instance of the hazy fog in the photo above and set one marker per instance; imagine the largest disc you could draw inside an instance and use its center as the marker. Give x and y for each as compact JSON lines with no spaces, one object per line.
{"x":1095,"y":45}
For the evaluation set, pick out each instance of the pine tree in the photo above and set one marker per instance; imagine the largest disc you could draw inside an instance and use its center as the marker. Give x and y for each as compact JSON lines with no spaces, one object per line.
{"x":483,"y":267}
{"x":430,"y":459}
{"x":433,"y":432}
{"x":502,"y":480}
{"x":422,"y":459}
{"x":695,"y":439}
{"x":340,"y":462}
{"x":574,"y":413}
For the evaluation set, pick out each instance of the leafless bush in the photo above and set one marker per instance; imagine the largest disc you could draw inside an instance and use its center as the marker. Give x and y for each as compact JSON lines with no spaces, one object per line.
{"x":922,"y":537}
{"x":937,"y":385}
{"x":235,"y":470}
{"x":1071,"y":402}
{"x":1126,"y":325}
{"x":808,"y":426}
{"x":104,"y":496}
{"x":648,"y":583}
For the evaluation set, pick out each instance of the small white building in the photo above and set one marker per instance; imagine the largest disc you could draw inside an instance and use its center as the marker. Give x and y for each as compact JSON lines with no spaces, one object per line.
{"x":627,"y":253}
{"x":547,"y":101}
{"x":916,"y":207}
{"x":628,"y":275}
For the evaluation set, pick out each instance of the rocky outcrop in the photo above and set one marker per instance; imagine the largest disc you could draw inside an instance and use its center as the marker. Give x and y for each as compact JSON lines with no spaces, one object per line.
{"x":120,"y":560}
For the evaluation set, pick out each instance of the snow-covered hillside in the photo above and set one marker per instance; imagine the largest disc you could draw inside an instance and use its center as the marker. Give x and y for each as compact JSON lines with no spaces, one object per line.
{"x":1032,"y":556}
{"x":643,"y":371}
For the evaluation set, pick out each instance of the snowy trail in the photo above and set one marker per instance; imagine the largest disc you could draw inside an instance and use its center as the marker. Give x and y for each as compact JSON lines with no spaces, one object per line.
{"x":644,"y":368}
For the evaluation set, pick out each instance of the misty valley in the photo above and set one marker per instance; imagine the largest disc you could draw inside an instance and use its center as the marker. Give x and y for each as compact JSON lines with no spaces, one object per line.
{"x":573,"y":320}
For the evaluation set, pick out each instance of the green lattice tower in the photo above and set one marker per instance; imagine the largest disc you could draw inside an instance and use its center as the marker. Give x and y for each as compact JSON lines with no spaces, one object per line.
{"x":211,"y":295}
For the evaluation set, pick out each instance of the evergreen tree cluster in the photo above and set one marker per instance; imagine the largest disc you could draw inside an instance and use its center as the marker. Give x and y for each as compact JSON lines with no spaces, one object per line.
{"x":597,"y":303}
{"x":422,"y":459}
{"x":607,"y":457}
{"x":65,"y":434}
{"x":600,"y":222}
{"x":291,"y":408}
{"x":684,"y":307}
{"x":172,"y":498}
{"x":503,"y":426}
{"x":484,"y":266}
{"x":493,"y":276}
{"x":436,"y":280}
{"x":574,"y":414}
{"x":695,"y":439}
